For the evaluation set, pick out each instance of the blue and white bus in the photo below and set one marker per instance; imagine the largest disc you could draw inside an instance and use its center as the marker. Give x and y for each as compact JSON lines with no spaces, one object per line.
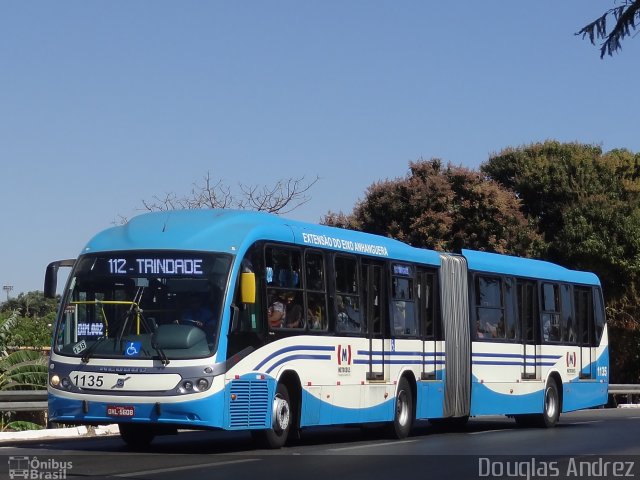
{"x":219,"y":319}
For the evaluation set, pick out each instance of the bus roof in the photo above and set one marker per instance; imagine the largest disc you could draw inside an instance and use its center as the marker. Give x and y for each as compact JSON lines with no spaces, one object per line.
{"x":525,"y":267}
{"x":233,"y":231}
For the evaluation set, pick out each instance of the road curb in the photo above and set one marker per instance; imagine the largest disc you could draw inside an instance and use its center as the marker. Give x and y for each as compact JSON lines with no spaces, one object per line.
{"x":53,"y":433}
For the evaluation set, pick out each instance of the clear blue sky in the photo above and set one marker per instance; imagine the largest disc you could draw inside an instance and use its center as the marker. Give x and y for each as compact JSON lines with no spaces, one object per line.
{"x":104,"y":104}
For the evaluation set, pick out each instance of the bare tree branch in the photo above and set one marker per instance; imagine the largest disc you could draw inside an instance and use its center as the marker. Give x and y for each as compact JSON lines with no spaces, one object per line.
{"x":283,"y":197}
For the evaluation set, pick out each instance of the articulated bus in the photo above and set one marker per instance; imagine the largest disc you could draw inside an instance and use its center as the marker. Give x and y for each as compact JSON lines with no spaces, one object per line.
{"x":219,"y":319}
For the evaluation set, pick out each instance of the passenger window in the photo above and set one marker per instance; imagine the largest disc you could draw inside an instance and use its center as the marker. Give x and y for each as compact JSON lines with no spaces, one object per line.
{"x":551,"y":313}
{"x":403,"y":313}
{"x":348,"y":312}
{"x":569,"y":329}
{"x":427,"y":301}
{"x":490,"y":322}
{"x":584,"y":314}
{"x":285,"y":306}
{"x":316,"y":292}
{"x":527,"y":309}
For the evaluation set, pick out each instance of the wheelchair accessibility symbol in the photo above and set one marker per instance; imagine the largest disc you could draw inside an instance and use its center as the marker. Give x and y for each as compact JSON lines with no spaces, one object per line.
{"x":132,"y":349}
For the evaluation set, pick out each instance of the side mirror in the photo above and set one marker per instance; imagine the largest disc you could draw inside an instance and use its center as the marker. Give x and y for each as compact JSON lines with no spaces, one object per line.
{"x":51,"y":276}
{"x":248,"y":287}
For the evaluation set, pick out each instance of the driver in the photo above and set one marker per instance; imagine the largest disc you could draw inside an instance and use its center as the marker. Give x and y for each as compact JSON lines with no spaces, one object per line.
{"x":197,"y":312}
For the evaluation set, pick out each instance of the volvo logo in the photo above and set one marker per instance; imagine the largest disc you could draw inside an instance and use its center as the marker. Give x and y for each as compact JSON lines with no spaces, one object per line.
{"x":120,"y":383}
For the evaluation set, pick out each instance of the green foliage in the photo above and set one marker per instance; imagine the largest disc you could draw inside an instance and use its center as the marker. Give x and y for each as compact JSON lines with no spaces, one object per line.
{"x":587,"y":206}
{"x":25,"y":321}
{"x":23,"y":370}
{"x":585,"y":203}
{"x":7,"y":424}
{"x":31,"y":304}
{"x":444,"y":208}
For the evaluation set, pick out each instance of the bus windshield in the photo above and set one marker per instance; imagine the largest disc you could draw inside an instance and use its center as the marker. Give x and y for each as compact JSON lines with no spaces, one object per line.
{"x":143,"y":305}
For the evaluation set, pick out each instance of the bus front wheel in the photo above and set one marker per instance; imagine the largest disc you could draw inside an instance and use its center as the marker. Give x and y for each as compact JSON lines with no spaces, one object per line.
{"x":136,"y":436}
{"x":281,"y":417}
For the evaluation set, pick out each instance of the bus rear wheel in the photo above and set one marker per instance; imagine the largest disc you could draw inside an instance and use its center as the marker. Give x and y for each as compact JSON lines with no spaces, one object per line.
{"x":403,"y":416}
{"x":551,"y":411}
{"x":281,"y":418}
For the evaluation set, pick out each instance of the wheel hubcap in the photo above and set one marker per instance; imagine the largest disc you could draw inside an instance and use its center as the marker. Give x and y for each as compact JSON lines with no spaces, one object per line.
{"x":281,"y":414}
{"x":402,"y":408}
{"x":551,"y":403}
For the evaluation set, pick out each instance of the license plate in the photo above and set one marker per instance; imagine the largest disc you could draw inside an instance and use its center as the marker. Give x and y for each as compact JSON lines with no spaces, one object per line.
{"x":120,"y":411}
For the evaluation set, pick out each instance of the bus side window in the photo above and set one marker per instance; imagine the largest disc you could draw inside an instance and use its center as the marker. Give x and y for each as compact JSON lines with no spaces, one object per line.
{"x":550,"y":312}
{"x":316,"y":297}
{"x":348,"y":312}
{"x":489,"y":308}
{"x":584,"y":314}
{"x":527,"y":308}
{"x":568,"y":330}
{"x":403,"y":315}
{"x":427,"y":302}
{"x":284,"y":309}
{"x":599,"y":316}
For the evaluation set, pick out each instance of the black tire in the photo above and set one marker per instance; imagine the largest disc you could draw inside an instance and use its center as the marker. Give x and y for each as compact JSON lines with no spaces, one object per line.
{"x":281,"y":419}
{"x":403,"y":408}
{"x":136,"y":436}
{"x":551,"y":409}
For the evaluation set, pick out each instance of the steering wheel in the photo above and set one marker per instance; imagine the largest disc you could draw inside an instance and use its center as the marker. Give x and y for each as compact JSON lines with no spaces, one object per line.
{"x":197,"y":323}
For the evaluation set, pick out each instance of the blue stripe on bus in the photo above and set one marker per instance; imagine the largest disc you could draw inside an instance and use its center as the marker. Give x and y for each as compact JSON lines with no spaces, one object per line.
{"x":294,"y":348}
{"x":396,"y":362}
{"x":298,"y":357}
{"x":516,"y":355}
{"x":525,"y":360}
{"x":396,"y":352}
{"x":522,"y":364}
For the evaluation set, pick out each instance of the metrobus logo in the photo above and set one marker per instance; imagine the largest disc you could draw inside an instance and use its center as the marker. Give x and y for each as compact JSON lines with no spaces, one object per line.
{"x":571,"y":359}
{"x":344,"y":360}
{"x":344,"y":355}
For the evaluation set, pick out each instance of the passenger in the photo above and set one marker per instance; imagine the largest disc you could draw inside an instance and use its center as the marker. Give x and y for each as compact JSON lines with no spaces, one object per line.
{"x":294,"y":317}
{"x":276,"y":313}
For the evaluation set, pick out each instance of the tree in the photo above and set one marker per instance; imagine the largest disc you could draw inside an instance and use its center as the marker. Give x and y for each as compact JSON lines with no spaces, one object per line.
{"x":32,"y":315}
{"x":587,"y":206}
{"x":585,"y":203}
{"x":625,"y":15}
{"x":444,"y":208}
{"x":282,"y":197}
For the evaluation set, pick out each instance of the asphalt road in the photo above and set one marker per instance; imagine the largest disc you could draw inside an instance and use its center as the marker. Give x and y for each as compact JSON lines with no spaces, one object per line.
{"x":601,"y":443}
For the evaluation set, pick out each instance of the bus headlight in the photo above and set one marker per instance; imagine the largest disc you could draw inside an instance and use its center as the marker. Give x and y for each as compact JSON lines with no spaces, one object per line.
{"x":188,"y":385}
{"x":54,"y":381}
{"x":202,"y":384}
{"x":66,"y":383}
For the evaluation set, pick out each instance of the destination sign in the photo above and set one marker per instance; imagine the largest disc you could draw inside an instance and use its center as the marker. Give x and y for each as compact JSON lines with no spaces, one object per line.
{"x":156,"y":266}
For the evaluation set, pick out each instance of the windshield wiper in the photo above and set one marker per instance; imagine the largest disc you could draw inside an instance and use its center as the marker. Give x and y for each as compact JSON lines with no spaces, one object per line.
{"x":163,"y":356}
{"x":89,"y":351}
